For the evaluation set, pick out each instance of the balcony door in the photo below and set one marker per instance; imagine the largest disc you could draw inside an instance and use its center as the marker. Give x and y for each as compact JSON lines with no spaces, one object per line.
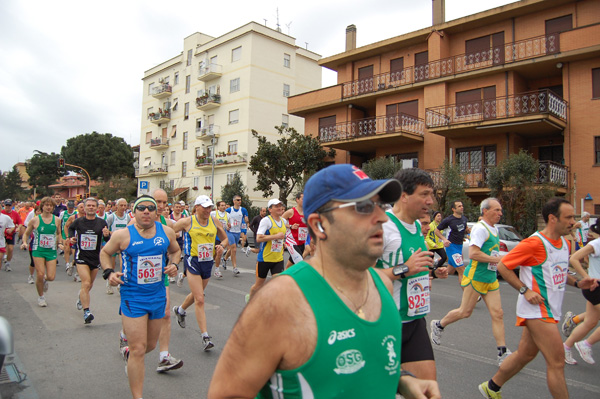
{"x":365,"y":79}
{"x":476,"y":104}
{"x":394,"y":113}
{"x":475,"y":162}
{"x":552,"y":153}
{"x":421,"y":66}
{"x":327,"y":128}
{"x":553,"y":28}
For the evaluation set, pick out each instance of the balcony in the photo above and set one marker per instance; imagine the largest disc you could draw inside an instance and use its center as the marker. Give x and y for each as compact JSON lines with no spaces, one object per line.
{"x":366,"y":135}
{"x":210,"y":72}
{"x":153,"y":169}
{"x":476,"y":177}
{"x":162,"y":91}
{"x":206,"y":133}
{"x":221,"y":160}
{"x":160,"y":116}
{"x":160,"y":143}
{"x":531,"y":114}
{"x":208,"y":101}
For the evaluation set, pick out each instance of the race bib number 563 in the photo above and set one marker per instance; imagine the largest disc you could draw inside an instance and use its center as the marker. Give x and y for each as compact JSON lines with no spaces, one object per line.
{"x":149,"y":269}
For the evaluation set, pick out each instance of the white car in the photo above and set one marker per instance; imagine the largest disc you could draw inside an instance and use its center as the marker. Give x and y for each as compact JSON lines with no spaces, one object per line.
{"x":509,"y":238}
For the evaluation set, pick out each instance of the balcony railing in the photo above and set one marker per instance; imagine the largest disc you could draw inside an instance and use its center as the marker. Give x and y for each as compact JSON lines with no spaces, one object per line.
{"x":476,"y":177}
{"x":163,"y":90}
{"x":534,"y":47}
{"x":518,"y":105}
{"x":160,"y":116}
{"x":154,"y":169}
{"x":208,"y":101}
{"x":159,"y":142}
{"x":208,"y":132}
{"x":350,"y":130}
{"x":221,"y":160}
{"x":210,"y":72}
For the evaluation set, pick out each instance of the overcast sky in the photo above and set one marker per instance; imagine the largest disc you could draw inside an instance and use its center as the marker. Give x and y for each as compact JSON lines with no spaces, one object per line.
{"x":73,"y":67}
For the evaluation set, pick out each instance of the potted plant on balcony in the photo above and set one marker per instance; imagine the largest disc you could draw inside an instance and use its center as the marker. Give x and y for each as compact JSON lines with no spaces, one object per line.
{"x":195,"y":188}
{"x":207,"y":187}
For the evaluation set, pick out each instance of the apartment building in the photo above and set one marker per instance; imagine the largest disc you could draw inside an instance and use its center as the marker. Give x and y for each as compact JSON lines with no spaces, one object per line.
{"x":473,"y":90}
{"x":200,"y":107}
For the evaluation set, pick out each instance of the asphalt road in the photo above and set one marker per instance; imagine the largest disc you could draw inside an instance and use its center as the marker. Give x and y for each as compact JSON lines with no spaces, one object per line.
{"x":63,"y":358}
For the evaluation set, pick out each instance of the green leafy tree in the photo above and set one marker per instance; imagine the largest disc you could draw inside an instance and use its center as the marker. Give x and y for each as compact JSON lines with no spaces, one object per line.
{"x":381,"y":168}
{"x":450,"y":186}
{"x":102,"y":155}
{"x":43,"y":171}
{"x":11,"y":187}
{"x":285,"y":163}
{"x":516,"y":184}
{"x":120,"y":187}
{"x":237,"y":187}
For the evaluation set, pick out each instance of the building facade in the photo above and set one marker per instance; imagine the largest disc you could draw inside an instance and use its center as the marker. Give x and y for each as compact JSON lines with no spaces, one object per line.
{"x":200,"y":108}
{"x":473,"y":90}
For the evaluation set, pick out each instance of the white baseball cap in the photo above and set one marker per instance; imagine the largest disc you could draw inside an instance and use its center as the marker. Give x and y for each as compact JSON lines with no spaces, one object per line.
{"x":182,"y":203}
{"x":203,"y":201}
{"x":273,"y":201}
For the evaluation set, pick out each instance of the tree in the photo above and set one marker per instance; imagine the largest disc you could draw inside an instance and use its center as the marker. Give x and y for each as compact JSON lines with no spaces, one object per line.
{"x":11,"y":185}
{"x":102,"y":155}
{"x":515,"y":183}
{"x":450,"y":186}
{"x":237,"y":187}
{"x":120,"y":187}
{"x":43,"y":171}
{"x":284,"y":163}
{"x":381,"y":168}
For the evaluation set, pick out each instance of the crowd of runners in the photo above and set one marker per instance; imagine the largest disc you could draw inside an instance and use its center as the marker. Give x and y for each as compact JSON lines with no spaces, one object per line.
{"x":360,"y":251}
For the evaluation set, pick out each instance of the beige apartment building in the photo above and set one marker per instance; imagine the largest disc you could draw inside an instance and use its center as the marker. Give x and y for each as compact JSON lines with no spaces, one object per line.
{"x":199,"y":108}
{"x":473,"y":90}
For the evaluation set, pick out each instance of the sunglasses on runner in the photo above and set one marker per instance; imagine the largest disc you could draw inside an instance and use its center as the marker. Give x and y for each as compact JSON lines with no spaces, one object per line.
{"x":142,"y":208}
{"x":365,"y":207}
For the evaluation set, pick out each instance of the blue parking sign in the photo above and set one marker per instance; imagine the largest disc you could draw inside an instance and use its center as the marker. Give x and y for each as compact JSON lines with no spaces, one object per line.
{"x":143,"y":185}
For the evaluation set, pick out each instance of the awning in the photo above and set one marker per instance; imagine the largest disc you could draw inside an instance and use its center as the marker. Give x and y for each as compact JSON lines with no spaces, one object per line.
{"x":174,"y":131}
{"x":179,"y":191}
{"x":147,"y":162}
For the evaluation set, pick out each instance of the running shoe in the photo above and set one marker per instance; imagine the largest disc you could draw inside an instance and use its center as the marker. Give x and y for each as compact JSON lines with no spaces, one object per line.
{"x":436,"y":332}
{"x":224,"y":263}
{"x":568,"y":325}
{"x":76,"y":278}
{"x":30,"y":279}
{"x":488,"y":393}
{"x":169,"y":363}
{"x":7,"y":267}
{"x":69,"y":268}
{"x":45,"y":286}
{"x":585,"y":351}
{"x":236,"y":271}
{"x":180,"y":317}
{"x":246,"y":251}
{"x":218,"y":274}
{"x":87,"y":317}
{"x":180,"y":278}
{"x":78,"y":304}
{"x":109,"y":288}
{"x":502,"y":357}
{"x":569,"y":356}
{"x":172,"y":280}
{"x":206,"y":341}
{"x":42,"y":302}
{"x":122,"y":341}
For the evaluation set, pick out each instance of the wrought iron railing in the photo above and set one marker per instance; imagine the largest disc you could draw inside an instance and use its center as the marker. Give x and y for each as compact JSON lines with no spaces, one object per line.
{"x":517,"y":105}
{"x":159,"y":141}
{"x":154,"y":116}
{"x":554,"y":173}
{"x":211,"y":68}
{"x":155,"y":168}
{"x":210,"y":98}
{"x":161,"y":89}
{"x":508,"y":53}
{"x":349,"y":130}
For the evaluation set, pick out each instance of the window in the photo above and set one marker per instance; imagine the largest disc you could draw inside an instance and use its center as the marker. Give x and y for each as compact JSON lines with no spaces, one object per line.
{"x":230,"y":177}
{"x":185,"y":140}
{"x":484,"y":48}
{"x":560,"y":24}
{"x":198,"y":124}
{"x":162,"y":184}
{"x":150,"y":88}
{"x":213,"y":60}
{"x":234,"y":116}
{"x":189,"y":58}
{"x":174,"y":131}
{"x":186,"y":111}
{"x":148,"y":137}
{"x":236,"y":54}
{"x":285,"y":120}
{"x":597,"y":150}
{"x":234,"y":85}
{"x":183,"y":168}
{"x":408,"y":160}
{"x":596,"y":83}
{"x":397,"y":69}
{"x":176,"y":79}
{"x":196,"y":181}
{"x":173,"y":156}
{"x":365,"y":79}
{"x":474,"y":161}
{"x":198,"y":151}
{"x":397,"y":113}
{"x":172,"y":184}
{"x":286,"y":90}
{"x":188,"y":81}
{"x":421,"y":66}
{"x":471,"y":104}
{"x":150,"y":110}
{"x":327,"y":128}
{"x":232,"y":146}
{"x":287,"y":60}
{"x":208,"y":181}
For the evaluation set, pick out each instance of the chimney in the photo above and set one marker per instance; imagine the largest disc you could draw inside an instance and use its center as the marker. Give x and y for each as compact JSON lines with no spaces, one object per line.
{"x":350,"y":37}
{"x":439,"y":12}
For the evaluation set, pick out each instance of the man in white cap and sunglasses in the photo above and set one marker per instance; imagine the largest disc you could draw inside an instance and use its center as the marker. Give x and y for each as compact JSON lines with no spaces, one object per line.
{"x":338,"y":330}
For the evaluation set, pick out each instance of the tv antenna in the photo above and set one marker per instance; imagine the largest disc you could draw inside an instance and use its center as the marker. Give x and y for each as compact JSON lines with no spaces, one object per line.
{"x":265,"y":21}
{"x":278,"y":26}
{"x":288,"y":26}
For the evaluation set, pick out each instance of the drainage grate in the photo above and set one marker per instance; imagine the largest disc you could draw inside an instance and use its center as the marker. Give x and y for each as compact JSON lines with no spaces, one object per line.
{"x":10,"y":373}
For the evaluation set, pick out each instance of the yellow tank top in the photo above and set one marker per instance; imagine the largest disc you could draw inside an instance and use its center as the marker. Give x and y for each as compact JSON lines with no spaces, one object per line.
{"x":272,"y":251}
{"x":202,"y":239}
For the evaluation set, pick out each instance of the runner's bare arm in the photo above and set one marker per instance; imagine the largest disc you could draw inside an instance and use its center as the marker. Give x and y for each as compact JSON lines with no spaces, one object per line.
{"x":221,"y":233}
{"x":183,"y":224}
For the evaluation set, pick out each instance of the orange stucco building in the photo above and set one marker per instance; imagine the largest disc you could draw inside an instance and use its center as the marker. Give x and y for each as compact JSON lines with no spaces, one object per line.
{"x":473,"y":90}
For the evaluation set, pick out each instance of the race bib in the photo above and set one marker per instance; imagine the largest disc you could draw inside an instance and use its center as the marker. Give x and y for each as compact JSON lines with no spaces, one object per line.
{"x":417,"y":289}
{"x":223,"y":223}
{"x":559,"y":278}
{"x":48,"y":241}
{"x":302,"y":233}
{"x":458,"y":260}
{"x":277,"y":245}
{"x":149,"y":269}
{"x":89,"y":242}
{"x":493,"y":266}
{"x":236,"y":223}
{"x":205,"y":252}
{"x":244,"y":227}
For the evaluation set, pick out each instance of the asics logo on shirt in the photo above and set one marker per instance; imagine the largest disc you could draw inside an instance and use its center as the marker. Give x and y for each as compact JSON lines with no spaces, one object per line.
{"x":137,"y":243}
{"x":340,"y":335}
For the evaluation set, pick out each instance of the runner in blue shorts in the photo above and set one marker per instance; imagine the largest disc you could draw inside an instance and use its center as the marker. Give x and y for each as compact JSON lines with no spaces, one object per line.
{"x":457,"y":222}
{"x":145,"y":247}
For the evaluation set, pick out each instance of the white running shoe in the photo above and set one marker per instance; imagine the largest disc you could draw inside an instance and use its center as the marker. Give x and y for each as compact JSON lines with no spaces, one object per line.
{"x":169,"y":363}
{"x":69,"y":268}
{"x":218,"y":274}
{"x":76,"y":278}
{"x":246,"y":251}
{"x":45,"y":286}
{"x":585,"y":351}
{"x":109,"y":288}
{"x":42,"y":302}
{"x":206,"y":341}
{"x":569,"y":356}
{"x":436,"y":332}
{"x":236,"y":271}
{"x":568,"y":325}
{"x":503,"y":357}
{"x":7,"y":267}
{"x":30,"y":279}
{"x":180,"y":278}
{"x":78,"y":304}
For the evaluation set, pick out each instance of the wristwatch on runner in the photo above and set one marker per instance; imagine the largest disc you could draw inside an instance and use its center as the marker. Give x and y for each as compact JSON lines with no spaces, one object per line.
{"x":400,"y":270}
{"x":523,"y":290}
